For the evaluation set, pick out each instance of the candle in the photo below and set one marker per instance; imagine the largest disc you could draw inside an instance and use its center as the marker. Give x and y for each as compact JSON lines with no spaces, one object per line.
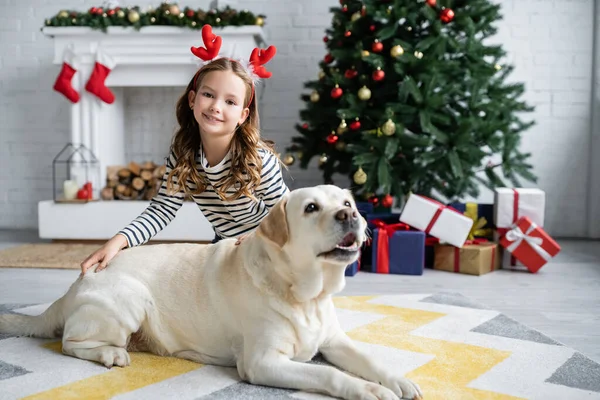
{"x":70,"y":189}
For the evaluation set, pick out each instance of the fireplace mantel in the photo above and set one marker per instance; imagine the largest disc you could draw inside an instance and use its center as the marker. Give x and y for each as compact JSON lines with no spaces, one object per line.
{"x":152,"y":56}
{"x":155,"y":56}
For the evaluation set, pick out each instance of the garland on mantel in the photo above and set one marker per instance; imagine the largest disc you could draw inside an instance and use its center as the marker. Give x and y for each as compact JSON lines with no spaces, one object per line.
{"x":167,"y":14}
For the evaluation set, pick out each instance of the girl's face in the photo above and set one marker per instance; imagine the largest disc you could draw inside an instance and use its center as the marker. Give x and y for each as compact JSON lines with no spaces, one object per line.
{"x":219,"y":105}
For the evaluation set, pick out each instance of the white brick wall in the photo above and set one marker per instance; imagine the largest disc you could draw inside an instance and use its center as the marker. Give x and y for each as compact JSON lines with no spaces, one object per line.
{"x":549,"y":41}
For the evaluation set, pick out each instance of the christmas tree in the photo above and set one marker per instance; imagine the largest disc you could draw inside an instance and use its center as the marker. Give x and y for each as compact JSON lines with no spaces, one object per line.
{"x":411,"y":98}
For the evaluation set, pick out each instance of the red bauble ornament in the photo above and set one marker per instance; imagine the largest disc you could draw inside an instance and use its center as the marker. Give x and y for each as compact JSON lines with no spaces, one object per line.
{"x":447,"y":15}
{"x":190,"y":13}
{"x":432,"y":3}
{"x":336,"y":92}
{"x":378,"y":75}
{"x":372,"y":28}
{"x":331,"y":139}
{"x":350,"y":73}
{"x":325,"y":39}
{"x":355,"y":125}
{"x":93,"y":10}
{"x":110,"y":13}
{"x":374,"y":200}
{"x":377,"y":47}
{"x":305,"y":126}
{"x":345,"y":8}
{"x":342,"y":2}
{"x":387,"y":201}
{"x":328,"y":58}
{"x":99,"y":11}
{"x":348,"y":33}
{"x":363,"y":11}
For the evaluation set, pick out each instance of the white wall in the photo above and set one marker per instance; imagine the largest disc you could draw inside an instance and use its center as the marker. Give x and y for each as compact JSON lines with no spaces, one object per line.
{"x":549,"y":41}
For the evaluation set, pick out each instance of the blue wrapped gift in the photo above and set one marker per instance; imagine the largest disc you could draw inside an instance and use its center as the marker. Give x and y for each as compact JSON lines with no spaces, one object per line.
{"x":482,"y":216}
{"x":364,"y":208}
{"x":406,"y":253}
{"x":353,"y":268}
{"x":367,"y":251}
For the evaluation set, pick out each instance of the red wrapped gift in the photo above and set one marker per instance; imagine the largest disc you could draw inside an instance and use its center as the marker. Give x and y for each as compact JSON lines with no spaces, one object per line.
{"x":529,"y":244}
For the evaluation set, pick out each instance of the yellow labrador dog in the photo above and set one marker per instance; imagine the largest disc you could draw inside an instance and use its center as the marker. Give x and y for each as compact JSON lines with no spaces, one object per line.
{"x":264,"y":306}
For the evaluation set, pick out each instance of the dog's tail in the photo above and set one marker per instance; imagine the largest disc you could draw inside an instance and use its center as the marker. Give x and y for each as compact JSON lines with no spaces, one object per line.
{"x":49,"y":324}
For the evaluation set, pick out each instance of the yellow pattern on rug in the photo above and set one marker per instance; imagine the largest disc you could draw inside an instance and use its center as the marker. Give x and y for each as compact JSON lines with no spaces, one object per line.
{"x":145,"y":369}
{"x":455,"y":364}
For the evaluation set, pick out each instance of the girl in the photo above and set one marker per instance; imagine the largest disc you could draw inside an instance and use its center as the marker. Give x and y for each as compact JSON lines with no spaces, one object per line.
{"x":217,"y":154}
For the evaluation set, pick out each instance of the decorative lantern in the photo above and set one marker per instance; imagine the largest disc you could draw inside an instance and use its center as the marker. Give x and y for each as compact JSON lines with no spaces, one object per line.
{"x":75,"y":175}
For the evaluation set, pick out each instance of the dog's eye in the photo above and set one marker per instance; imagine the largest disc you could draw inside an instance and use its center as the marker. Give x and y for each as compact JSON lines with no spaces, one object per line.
{"x":347,"y":203}
{"x":312,"y":207}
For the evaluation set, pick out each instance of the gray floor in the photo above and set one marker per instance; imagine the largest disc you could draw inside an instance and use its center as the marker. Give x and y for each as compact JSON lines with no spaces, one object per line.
{"x":562,"y":300}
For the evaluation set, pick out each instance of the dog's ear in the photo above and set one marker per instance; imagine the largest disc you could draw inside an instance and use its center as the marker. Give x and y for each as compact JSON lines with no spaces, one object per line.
{"x":274,"y":226}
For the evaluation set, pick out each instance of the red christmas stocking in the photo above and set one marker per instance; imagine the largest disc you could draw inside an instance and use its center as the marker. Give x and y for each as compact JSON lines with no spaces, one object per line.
{"x":63,"y":81}
{"x":95,"y":85}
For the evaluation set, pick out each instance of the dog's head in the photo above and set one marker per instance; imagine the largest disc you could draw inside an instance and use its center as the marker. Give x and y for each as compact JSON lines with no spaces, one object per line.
{"x":319,"y":222}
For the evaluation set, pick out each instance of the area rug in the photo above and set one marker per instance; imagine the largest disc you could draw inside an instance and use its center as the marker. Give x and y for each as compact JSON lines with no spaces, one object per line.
{"x":453,"y":347}
{"x":46,"y":255}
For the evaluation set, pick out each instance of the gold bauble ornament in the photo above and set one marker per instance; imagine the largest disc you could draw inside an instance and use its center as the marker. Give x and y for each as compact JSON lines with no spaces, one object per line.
{"x":418,"y":54}
{"x":321,"y":74}
{"x":63,"y":14}
{"x":355,"y":17}
{"x":397,"y":51}
{"x":133,"y":16}
{"x":153,"y":20}
{"x":174,"y":9}
{"x":121,"y":14}
{"x":340,"y":146}
{"x":314,"y":96}
{"x":365,"y":53}
{"x":389,"y":128}
{"x":288,"y":159}
{"x":322,"y":160}
{"x":364,"y":93}
{"x":260,"y":21}
{"x":498,"y":67}
{"x":360,"y":177}
{"x":342,"y":127}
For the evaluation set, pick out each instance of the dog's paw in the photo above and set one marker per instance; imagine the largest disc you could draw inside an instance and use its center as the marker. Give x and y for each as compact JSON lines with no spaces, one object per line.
{"x":114,"y":356}
{"x":403,"y":387}
{"x":374,"y":391}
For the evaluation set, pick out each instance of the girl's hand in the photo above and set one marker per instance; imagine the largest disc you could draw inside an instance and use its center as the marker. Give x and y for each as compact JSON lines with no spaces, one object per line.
{"x":240,"y":239}
{"x":104,"y":254}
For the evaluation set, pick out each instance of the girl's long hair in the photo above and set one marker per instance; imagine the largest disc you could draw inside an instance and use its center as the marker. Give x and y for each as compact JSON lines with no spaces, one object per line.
{"x":246,"y":162}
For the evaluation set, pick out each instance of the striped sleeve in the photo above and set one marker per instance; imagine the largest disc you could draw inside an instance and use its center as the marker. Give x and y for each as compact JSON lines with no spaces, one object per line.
{"x":272,"y":187}
{"x":157,"y":215}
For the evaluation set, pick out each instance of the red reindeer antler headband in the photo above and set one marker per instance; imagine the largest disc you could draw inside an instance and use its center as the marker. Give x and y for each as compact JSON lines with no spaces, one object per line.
{"x":254,"y":67}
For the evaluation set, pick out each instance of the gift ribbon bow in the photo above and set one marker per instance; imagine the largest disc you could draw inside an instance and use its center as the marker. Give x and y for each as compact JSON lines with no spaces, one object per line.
{"x":383,"y":243}
{"x":477,"y":229}
{"x":517,"y":236}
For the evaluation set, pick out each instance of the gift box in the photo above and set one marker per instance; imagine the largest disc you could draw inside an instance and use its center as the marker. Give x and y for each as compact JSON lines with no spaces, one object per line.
{"x":353,"y":268}
{"x":436,"y":219}
{"x":512,"y":204}
{"x":364,"y":207}
{"x":397,"y":250}
{"x":482,"y":216}
{"x":367,"y":250}
{"x":430,"y":243}
{"x":530,"y":244}
{"x":474,"y":258}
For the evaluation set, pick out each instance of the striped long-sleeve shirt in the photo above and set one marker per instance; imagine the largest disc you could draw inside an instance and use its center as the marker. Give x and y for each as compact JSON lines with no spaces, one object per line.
{"x":228,"y":218}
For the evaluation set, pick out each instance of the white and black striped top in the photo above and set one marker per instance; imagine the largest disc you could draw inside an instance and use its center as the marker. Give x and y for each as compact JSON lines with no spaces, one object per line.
{"x":228,"y":218}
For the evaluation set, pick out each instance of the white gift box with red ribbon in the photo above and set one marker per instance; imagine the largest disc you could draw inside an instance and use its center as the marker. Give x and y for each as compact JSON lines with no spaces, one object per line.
{"x":529,"y":244}
{"x":436,"y":219}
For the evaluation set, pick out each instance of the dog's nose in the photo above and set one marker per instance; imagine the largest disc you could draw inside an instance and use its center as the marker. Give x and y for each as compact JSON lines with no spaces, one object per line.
{"x":346,"y":214}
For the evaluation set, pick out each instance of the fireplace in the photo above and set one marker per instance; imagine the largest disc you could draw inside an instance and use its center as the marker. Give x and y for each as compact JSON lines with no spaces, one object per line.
{"x":157,"y":56}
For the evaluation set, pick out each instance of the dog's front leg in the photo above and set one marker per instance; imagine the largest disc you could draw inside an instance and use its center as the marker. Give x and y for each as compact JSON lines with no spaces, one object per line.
{"x":270,"y":367}
{"x":341,"y":351}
